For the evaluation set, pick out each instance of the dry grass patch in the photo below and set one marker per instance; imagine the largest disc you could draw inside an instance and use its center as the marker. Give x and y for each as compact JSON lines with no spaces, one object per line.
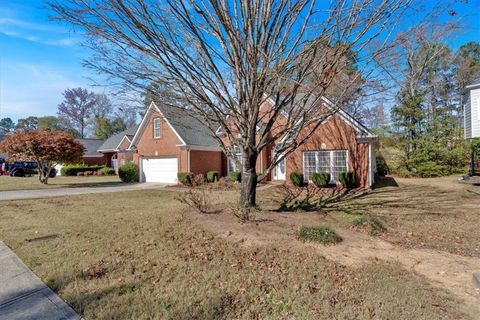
{"x":137,"y":255}
{"x":8,"y":183}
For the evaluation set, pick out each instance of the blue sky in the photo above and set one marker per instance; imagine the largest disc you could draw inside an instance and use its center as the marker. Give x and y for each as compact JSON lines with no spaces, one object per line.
{"x":39,"y":58}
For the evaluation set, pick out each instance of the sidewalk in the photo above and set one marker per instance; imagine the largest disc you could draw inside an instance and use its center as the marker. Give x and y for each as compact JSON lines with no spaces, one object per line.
{"x":24,"y":296}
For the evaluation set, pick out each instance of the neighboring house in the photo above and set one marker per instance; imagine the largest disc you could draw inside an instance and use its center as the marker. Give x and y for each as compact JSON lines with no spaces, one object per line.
{"x":472,"y":111}
{"x":91,"y":155}
{"x":116,"y":148}
{"x":169,"y":140}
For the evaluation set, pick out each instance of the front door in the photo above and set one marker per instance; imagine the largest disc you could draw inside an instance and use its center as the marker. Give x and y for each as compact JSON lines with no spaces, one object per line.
{"x":280,"y":170}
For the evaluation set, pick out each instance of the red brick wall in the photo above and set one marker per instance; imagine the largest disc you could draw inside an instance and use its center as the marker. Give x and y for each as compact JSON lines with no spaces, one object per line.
{"x":204,"y":161}
{"x":102,"y":160}
{"x":335,"y":134}
{"x":165,"y":146}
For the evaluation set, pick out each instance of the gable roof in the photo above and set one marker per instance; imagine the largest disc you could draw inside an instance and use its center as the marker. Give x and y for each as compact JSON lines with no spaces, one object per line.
{"x":112,"y":143}
{"x":189,"y":130}
{"x":91,"y":147}
{"x":359,"y":127}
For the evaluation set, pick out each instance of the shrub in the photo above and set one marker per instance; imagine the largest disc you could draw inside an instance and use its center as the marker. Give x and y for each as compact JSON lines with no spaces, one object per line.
{"x":73,"y":169}
{"x":212,"y":176}
{"x":243,"y":214}
{"x":360,"y":221}
{"x":375,"y":224}
{"x":321,"y":179}
{"x":235,"y":176}
{"x":107,"y":171}
{"x":297,"y":179}
{"x":322,"y":234}
{"x":197,"y":199}
{"x":198,"y":180}
{"x":347,"y":179}
{"x":431,"y":169}
{"x":185,"y":178}
{"x":128,"y":172}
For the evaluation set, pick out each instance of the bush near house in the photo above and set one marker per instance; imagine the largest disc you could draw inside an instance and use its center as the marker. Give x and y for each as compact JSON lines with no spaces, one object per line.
{"x":74,"y":169}
{"x":107,"y":171}
{"x":321,"y":179}
{"x":235,"y":176}
{"x":185,"y":178}
{"x":348,"y":179}
{"x":297,"y":179}
{"x":212,"y":176}
{"x":128,"y":172}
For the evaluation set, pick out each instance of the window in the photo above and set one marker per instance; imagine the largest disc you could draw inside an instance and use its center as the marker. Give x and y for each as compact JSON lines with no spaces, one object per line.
{"x":331,"y":161}
{"x":231,"y":164}
{"x":156,"y":128}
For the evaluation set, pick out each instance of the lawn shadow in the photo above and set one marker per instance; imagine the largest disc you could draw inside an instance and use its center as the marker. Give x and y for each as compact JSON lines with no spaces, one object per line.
{"x":384,"y":182}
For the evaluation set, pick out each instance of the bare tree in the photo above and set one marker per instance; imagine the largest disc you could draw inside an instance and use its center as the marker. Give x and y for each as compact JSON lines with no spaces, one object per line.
{"x":77,"y":108}
{"x":228,"y":58}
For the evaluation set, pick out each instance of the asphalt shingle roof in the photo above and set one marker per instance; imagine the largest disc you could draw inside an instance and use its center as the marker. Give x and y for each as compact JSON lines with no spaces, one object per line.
{"x":190,"y":129}
{"x":112,"y":143}
{"x":91,"y":146}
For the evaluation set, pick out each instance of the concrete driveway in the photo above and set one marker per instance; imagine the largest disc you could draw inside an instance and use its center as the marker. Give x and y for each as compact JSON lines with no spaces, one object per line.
{"x":47,"y":193}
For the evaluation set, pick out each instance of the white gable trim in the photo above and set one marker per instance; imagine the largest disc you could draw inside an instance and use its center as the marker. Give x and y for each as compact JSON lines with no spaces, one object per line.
{"x":121,"y":141}
{"x":345,"y":116}
{"x":144,"y":122}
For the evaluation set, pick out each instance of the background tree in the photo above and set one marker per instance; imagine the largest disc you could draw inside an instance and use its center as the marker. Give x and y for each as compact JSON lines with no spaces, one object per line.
{"x":26,"y":124}
{"x":226,"y":58}
{"x":105,"y":128}
{"x":47,"y":148}
{"x":6,"y":125}
{"x":77,"y":108}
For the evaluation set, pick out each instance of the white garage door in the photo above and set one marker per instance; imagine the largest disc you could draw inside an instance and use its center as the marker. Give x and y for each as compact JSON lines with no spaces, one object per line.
{"x":160,"y":170}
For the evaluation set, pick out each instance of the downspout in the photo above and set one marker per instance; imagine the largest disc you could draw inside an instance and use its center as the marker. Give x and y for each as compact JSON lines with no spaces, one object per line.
{"x":370,"y":164}
{"x":188,"y":159}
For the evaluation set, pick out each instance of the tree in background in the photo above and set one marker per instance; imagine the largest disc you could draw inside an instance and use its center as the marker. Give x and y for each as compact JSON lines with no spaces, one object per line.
{"x":47,"y":148}
{"x":105,"y":128}
{"x":6,"y":125}
{"x":426,"y":119}
{"x":55,"y":124}
{"x":26,"y":124}
{"x":77,"y":109}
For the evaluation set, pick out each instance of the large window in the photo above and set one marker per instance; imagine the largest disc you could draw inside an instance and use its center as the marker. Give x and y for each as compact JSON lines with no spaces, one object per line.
{"x":330,"y":161}
{"x":156,"y":128}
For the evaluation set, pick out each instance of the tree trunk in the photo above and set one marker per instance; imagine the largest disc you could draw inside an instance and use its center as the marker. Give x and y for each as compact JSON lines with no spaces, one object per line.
{"x":248,"y":192}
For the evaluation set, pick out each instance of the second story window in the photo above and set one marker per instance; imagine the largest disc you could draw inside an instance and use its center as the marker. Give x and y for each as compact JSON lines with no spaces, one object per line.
{"x":156,"y":128}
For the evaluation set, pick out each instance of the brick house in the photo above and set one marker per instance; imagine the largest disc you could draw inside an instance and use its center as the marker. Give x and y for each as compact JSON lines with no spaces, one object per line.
{"x":116,"y":148}
{"x":169,"y":141}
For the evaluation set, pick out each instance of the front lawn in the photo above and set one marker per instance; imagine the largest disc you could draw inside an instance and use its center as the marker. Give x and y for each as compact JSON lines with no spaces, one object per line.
{"x":142,"y":255}
{"x":8,"y":183}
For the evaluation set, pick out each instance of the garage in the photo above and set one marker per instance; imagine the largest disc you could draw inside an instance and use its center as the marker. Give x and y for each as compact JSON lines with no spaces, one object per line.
{"x":159,"y":170}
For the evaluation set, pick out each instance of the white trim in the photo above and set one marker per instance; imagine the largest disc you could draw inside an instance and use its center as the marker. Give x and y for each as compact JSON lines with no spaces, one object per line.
{"x":142,"y":125}
{"x":200,"y":148}
{"x":359,"y":127}
{"x":106,"y":150}
{"x":121,"y":141}
{"x":99,"y":156}
{"x":157,"y":121}
{"x":332,"y":161}
{"x":370,"y":169}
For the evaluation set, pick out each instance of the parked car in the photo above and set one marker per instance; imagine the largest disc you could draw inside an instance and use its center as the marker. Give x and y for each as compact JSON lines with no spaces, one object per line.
{"x":27,"y":168}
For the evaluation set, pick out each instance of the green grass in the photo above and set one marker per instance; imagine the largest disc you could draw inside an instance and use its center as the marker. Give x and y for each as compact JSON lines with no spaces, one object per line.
{"x":321,"y":234}
{"x":8,"y":183}
{"x":137,"y":255}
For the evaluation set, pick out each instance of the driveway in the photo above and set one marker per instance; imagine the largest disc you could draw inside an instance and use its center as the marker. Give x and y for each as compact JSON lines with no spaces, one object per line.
{"x":47,"y":193}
